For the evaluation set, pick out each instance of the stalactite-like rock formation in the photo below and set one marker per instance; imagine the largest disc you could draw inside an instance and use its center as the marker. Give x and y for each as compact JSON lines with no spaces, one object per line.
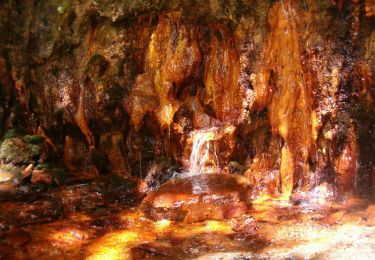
{"x":172,"y":57}
{"x":289,"y":108}
{"x":116,"y":85}
{"x":221,"y":75}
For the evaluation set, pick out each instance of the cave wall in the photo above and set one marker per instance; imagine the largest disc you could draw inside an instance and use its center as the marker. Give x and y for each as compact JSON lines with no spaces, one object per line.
{"x":114,"y":85}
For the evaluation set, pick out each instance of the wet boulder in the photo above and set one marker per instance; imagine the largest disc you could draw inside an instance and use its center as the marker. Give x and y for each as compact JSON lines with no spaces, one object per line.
{"x":10,"y":177}
{"x":158,"y":172}
{"x":369,"y":215}
{"x":200,"y":197}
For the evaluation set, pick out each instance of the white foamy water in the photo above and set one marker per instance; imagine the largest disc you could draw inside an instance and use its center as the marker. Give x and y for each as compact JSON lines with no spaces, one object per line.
{"x":203,"y":158}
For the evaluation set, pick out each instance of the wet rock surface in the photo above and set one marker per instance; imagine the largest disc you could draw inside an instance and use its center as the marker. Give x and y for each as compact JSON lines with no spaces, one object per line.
{"x":96,"y":227}
{"x":103,"y":89}
{"x":113,"y":85}
{"x":197,"y":198}
{"x":369,"y":215}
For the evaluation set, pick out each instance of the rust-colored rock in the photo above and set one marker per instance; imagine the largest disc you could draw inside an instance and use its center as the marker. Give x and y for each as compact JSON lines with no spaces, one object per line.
{"x":173,"y":56}
{"x":222,"y":70}
{"x":347,"y":164}
{"x":41,"y":176}
{"x":334,"y":218}
{"x":27,"y":171}
{"x":290,"y":108}
{"x":197,"y":198}
{"x":295,"y":78}
{"x":369,"y":215}
{"x":17,"y":237}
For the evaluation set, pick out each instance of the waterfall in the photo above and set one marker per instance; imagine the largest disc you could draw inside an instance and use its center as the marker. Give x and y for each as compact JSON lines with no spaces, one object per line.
{"x":203,"y":158}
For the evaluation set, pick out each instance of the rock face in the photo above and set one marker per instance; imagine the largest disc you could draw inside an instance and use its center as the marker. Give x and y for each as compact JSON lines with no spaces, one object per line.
{"x":197,"y":198}
{"x":114,"y":85}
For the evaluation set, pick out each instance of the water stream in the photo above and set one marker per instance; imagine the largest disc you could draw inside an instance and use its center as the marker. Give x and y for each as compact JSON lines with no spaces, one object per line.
{"x":204,"y":158}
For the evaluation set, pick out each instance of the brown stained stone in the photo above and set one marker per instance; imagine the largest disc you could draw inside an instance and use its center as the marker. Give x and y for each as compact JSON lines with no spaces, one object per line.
{"x":244,"y":224}
{"x":7,"y":187}
{"x":41,"y":176}
{"x":221,"y":75}
{"x":6,"y":176}
{"x":27,"y":171}
{"x":280,"y":85}
{"x":5,"y":251}
{"x":197,"y":198}
{"x":334,"y":218}
{"x":173,"y":56}
{"x":369,"y":215}
{"x":17,"y":238}
{"x":278,"y":65}
{"x":346,"y":164}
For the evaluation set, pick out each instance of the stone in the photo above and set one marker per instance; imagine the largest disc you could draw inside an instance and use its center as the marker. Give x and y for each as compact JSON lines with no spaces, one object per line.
{"x":158,"y":173}
{"x":244,"y":224}
{"x":27,"y":171}
{"x":21,"y":150}
{"x":17,"y":237}
{"x":369,"y":215}
{"x":6,"y":177}
{"x":7,"y":187}
{"x":41,"y":176}
{"x":198,"y":198}
{"x":334,"y":218}
{"x":235,"y":168}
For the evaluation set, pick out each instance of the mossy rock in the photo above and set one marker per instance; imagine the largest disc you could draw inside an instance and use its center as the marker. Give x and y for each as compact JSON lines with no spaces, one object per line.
{"x":21,"y":150}
{"x":33,"y":139}
{"x":12,"y":133}
{"x":43,"y":166}
{"x":58,"y":174}
{"x":235,"y":168}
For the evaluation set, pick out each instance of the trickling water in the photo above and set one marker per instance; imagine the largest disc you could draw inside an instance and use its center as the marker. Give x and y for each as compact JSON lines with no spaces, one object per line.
{"x":203,"y":158}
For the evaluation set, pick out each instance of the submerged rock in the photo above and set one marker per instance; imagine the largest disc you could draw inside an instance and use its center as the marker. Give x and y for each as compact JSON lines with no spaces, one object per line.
{"x":197,"y":198}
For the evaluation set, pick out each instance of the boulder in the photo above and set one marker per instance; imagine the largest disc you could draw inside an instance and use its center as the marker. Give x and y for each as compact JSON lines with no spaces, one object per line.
{"x":21,"y":150}
{"x":369,"y":215}
{"x":197,"y":198}
{"x":158,"y":172}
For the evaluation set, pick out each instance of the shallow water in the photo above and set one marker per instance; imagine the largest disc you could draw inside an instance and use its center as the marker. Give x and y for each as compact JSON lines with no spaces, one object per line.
{"x":272,"y":228}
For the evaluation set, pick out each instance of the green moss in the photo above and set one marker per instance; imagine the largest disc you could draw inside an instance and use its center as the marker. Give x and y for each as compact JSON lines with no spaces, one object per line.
{"x":15,"y":132}
{"x":43,"y":166}
{"x":235,"y":168}
{"x":33,"y":139}
{"x":58,"y":174}
{"x":63,"y":7}
{"x":21,"y":150}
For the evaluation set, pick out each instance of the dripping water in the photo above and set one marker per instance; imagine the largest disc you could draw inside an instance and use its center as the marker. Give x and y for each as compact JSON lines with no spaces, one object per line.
{"x":204,"y":152}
